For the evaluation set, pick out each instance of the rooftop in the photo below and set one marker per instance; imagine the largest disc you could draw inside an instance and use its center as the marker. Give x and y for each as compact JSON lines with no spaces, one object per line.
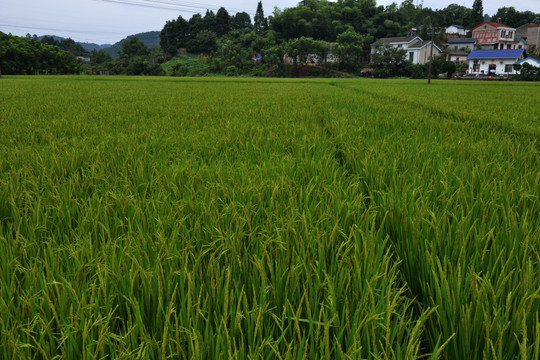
{"x":462,"y":41}
{"x":399,"y":39}
{"x":419,"y":44}
{"x":497,"y":25}
{"x":496,"y":54}
{"x":530,"y":58}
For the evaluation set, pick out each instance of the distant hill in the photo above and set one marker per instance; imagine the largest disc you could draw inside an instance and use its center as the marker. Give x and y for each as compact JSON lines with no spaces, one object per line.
{"x":92,"y":46}
{"x":150,"y":39}
{"x":86,"y":46}
{"x":57,"y":38}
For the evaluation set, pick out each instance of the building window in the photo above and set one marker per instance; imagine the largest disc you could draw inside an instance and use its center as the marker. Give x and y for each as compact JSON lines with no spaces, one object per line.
{"x":457,"y":59}
{"x":476,"y":66}
{"x":411,"y":56}
{"x":508,"y":68}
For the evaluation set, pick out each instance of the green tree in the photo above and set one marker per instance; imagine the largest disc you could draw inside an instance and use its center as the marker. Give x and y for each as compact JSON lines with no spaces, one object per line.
{"x":440,"y":65}
{"x":260,"y":22}
{"x":99,"y":57}
{"x":241,"y":21}
{"x":528,"y":72}
{"x":196,"y":24}
{"x":456,"y":14}
{"x":513,"y":18}
{"x":72,"y":47}
{"x":273,"y":55}
{"x":477,"y":13}
{"x":302,"y":48}
{"x":133,"y":47}
{"x":350,"y":48}
{"x":175,"y":34}
{"x":27,"y":55}
{"x":222,"y":22}
{"x":388,"y":61}
{"x":209,"y":21}
{"x":237,"y":49}
{"x":206,"y":41}
{"x":68,"y":45}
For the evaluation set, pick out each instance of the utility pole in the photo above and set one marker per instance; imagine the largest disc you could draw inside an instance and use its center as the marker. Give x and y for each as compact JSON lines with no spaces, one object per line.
{"x":430,"y":56}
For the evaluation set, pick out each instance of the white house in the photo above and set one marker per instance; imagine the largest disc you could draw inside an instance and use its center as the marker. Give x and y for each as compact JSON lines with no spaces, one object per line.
{"x":456,"y":29}
{"x":418,"y":50}
{"x":530,"y":61}
{"x":494,"y":62}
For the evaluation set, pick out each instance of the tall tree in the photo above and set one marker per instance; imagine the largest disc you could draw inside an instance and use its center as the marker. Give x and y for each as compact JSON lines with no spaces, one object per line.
{"x":477,"y":15}
{"x":174,"y":35}
{"x":133,"y":47}
{"x":261,"y":24}
{"x":456,"y":14}
{"x":241,"y":21}
{"x":222,"y":22}
{"x":513,"y":18}
{"x":209,"y":21}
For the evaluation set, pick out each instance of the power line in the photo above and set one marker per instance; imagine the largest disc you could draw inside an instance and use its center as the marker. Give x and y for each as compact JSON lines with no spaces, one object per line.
{"x":173,"y":5}
{"x":197,"y":5}
{"x":63,"y":30}
{"x":167,"y":5}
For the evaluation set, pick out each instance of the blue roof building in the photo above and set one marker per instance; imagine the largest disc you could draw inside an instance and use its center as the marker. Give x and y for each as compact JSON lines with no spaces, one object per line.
{"x":530,"y":60}
{"x":515,"y":54}
{"x":494,"y":62}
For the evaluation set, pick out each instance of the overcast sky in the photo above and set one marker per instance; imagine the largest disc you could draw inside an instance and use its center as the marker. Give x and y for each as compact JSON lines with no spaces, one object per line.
{"x":108,"y":21}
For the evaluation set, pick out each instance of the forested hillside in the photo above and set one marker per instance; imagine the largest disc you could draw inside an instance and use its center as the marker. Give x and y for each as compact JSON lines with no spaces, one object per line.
{"x":150,"y":39}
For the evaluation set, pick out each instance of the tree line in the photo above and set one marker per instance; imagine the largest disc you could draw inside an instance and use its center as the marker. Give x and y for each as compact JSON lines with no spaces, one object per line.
{"x":29,"y":56}
{"x":346,"y":28}
{"x":234,"y":44}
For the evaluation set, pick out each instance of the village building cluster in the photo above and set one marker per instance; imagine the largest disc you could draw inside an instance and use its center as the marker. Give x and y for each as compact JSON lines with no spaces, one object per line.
{"x":492,"y":48}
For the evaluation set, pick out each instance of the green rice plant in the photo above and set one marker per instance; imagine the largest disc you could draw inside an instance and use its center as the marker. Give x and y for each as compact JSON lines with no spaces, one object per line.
{"x":263,"y":218}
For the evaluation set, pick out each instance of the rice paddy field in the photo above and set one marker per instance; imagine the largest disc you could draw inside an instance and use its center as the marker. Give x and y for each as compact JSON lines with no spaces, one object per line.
{"x":208,"y":218}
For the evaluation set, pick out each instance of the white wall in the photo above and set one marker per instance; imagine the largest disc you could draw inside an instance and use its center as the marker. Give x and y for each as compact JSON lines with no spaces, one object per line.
{"x":499,"y":69}
{"x":531,"y":62}
{"x":455,"y":30}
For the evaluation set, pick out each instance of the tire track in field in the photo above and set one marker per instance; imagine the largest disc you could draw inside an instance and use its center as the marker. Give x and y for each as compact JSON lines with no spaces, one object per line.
{"x":421,"y":302}
{"x":454,"y":116}
{"x":345,"y":162}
